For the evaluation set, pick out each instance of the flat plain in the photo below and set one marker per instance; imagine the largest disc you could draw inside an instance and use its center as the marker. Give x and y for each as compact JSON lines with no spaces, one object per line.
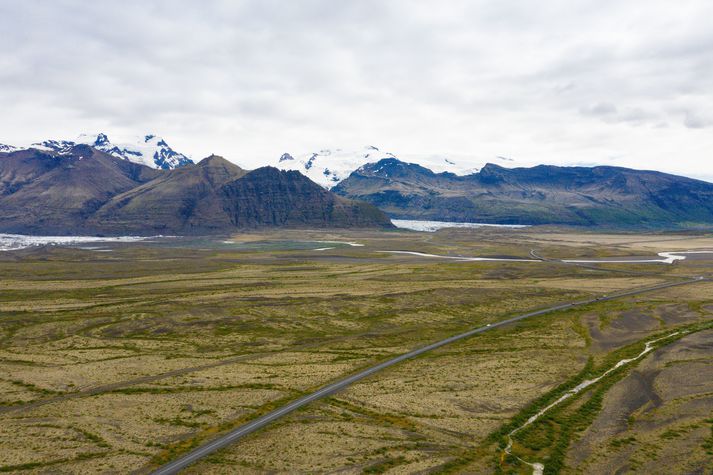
{"x":120,"y":361}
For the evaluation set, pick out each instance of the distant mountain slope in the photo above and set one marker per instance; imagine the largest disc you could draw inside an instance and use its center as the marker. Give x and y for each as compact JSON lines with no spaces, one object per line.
{"x":81,"y":190}
{"x":330,"y":166}
{"x":22,"y":168}
{"x":608,"y":196}
{"x":148,"y":150}
{"x":49,"y":193}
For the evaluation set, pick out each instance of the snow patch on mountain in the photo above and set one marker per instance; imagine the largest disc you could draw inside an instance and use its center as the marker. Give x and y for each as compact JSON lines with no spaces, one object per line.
{"x":7,"y":148}
{"x":148,"y":150}
{"x":59,"y":146}
{"x":328,"y":167}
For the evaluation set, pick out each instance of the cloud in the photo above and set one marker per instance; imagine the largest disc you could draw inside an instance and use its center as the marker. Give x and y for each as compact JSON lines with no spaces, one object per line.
{"x":693,"y":120}
{"x":601,"y":109}
{"x":554,"y":81}
{"x":610,"y":113}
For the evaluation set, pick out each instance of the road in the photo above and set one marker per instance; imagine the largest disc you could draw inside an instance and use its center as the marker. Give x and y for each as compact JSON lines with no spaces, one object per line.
{"x":245,"y":429}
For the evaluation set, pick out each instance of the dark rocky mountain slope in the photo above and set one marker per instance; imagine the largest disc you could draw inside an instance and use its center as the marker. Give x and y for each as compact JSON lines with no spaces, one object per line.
{"x":86,"y":191}
{"x":182,"y":200}
{"x":609,"y":196}
{"x":272,"y":197}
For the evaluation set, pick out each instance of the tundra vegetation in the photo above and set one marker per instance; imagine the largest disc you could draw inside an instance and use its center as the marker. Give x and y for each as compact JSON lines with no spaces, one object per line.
{"x":120,"y":361}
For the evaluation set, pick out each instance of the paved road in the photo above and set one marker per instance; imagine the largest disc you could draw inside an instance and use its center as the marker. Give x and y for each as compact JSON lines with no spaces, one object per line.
{"x":236,"y":434}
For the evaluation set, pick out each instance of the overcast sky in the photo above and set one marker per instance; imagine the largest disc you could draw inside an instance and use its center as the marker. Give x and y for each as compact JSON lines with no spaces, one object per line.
{"x":625,"y":83}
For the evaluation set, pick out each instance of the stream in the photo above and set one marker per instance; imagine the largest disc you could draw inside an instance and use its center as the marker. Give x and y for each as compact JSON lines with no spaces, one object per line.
{"x":538,"y":468}
{"x":664,"y":258}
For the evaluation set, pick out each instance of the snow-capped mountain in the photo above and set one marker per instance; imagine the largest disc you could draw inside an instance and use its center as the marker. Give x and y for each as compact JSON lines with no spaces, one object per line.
{"x":330,"y":166}
{"x":148,"y":150}
{"x":7,"y":148}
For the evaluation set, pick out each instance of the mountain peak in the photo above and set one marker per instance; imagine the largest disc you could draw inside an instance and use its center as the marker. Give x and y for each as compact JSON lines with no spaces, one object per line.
{"x":391,"y":167}
{"x":491,"y":167}
{"x":329,"y":166}
{"x":101,"y":139}
{"x":217,"y":161}
{"x":212,"y":157}
{"x":95,"y":140}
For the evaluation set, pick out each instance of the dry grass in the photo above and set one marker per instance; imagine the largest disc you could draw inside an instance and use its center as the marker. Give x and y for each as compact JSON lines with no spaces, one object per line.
{"x":656,"y":414}
{"x":235,"y":331}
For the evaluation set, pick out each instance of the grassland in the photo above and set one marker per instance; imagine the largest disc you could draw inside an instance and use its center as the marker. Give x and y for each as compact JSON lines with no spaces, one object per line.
{"x":118,"y":361}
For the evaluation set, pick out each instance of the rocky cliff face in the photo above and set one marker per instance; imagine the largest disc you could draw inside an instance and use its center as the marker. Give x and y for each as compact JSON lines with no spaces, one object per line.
{"x":86,"y":191}
{"x":608,"y":196}
{"x":271,"y":197}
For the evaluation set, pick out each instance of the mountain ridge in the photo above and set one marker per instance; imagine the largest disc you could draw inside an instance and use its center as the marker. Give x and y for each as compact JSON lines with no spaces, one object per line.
{"x":82,"y":190}
{"x":328,"y":167}
{"x":149,"y":150}
{"x":192,"y":197}
{"x":544,"y":194}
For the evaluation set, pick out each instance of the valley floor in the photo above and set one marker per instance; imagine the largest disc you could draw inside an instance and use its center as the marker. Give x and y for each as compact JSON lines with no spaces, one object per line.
{"x":120,"y":361}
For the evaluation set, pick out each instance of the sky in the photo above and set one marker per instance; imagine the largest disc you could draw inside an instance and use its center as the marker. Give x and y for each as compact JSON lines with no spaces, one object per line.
{"x":575,"y":82}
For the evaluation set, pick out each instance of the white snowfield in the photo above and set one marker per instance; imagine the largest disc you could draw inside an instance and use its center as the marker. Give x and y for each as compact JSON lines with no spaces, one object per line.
{"x":432,"y":226}
{"x":328,"y":167}
{"x":14,"y":242}
{"x":149,"y":150}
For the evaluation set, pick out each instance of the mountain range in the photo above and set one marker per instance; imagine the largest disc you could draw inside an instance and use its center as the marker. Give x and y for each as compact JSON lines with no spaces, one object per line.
{"x":148,"y":150}
{"x":589,"y":196}
{"x":328,"y":167}
{"x":93,"y":185}
{"x":80,"y":189}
